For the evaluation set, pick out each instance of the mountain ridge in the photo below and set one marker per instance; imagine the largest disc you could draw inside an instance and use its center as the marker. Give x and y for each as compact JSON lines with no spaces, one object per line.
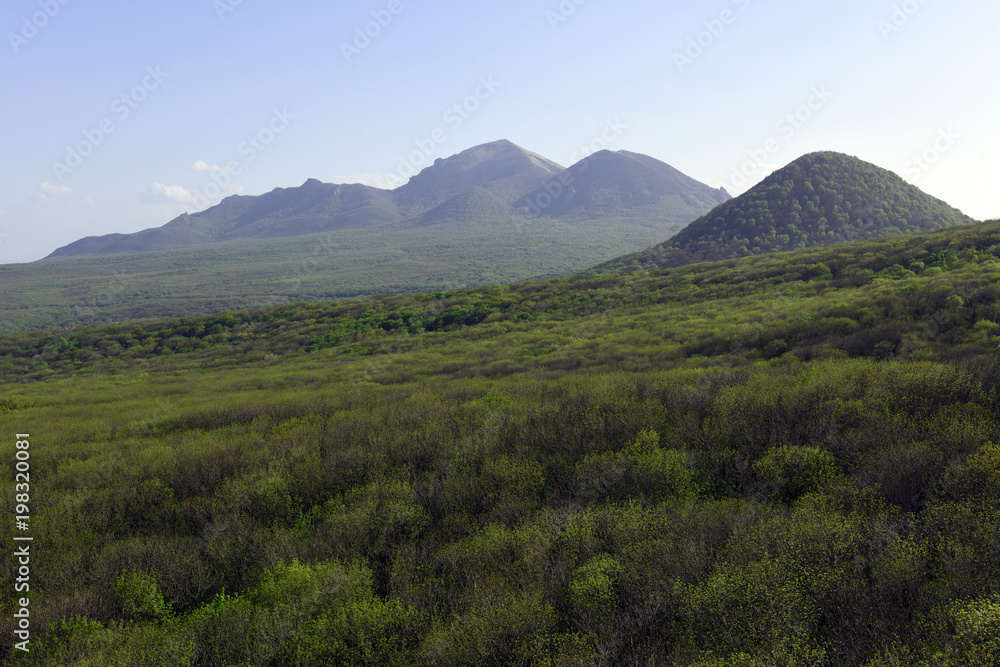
{"x":478,"y":186}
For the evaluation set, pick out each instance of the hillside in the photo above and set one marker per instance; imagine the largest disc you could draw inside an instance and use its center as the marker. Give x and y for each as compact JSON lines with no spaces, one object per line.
{"x":786,"y":459}
{"x":820,"y":199}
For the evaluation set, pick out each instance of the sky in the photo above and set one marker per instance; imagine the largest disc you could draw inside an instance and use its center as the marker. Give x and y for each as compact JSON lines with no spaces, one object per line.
{"x":118,"y":116}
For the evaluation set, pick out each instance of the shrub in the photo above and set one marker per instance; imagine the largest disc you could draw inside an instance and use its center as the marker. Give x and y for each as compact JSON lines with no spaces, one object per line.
{"x":140,"y":598}
{"x":790,"y":472}
{"x":659,"y":473}
{"x":592,"y":585}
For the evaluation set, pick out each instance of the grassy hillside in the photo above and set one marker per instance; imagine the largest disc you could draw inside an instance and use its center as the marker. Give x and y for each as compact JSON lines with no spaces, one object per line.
{"x":788,"y":459}
{"x":820,"y":199}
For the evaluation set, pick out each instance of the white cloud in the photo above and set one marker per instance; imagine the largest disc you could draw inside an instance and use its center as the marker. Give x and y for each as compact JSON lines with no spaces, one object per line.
{"x":4,"y":212}
{"x":50,"y":191}
{"x":157,"y":193}
{"x":55,"y":194}
{"x":200,"y":165}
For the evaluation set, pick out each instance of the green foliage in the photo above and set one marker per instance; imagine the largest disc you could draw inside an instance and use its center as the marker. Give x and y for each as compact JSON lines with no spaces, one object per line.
{"x":681,"y":467}
{"x":975,"y":632}
{"x":789,"y":472}
{"x":946,"y":259}
{"x":896,"y":272}
{"x":12,"y":403}
{"x":495,"y":631}
{"x":659,"y":473}
{"x":765,"y":607}
{"x":139,"y":597}
{"x":592,"y":585}
{"x":73,"y":641}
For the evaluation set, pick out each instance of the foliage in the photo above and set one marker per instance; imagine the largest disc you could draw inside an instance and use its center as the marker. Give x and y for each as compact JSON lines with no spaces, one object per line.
{"x":596,"y":470}
{"x":140,"y":598}
{"x":790,"y":472}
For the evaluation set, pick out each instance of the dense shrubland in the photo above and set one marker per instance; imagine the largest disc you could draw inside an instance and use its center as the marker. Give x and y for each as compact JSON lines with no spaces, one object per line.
{"x":787,"y":460}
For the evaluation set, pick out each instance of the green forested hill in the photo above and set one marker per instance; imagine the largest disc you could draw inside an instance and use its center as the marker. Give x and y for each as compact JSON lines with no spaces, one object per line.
{"x":820,"y":199}
{"x":788,"y":459}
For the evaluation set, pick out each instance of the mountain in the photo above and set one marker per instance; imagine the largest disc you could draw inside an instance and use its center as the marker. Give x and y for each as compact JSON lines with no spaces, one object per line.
{"x":481,"y":186}
{"x":820,"y":199}
{"x":607,"y":183}
{"x":502,"y":168}
{"x":308,"y":209}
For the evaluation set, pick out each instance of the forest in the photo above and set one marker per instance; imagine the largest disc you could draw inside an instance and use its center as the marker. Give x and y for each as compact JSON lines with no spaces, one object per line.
{"x":786,"y":459}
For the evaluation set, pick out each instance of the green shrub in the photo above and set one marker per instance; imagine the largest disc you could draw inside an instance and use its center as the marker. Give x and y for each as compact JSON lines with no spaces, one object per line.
{"x":140,"y":598}
{"x":592,"y":585}
{"x":657,"y":472}
{"x":789,"y":472}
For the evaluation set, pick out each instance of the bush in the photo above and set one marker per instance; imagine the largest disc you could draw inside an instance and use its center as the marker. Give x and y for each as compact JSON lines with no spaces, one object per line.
{"x":659,"y":473}
{"x":140,"y":598}
{"x":592,"y":585}
{"x":790,"y":472}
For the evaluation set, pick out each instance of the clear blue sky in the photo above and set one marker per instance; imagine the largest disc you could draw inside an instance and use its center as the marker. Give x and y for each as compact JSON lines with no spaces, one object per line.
{"x":165,"y":97}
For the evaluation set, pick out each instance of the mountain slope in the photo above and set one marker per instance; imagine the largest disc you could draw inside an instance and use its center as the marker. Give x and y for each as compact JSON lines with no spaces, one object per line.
{"x":608,"y":182}
{"x":475,"y":204}
{"x":820,"y":199}
{"x":501,"y":167}
{"x":284,"y":212}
